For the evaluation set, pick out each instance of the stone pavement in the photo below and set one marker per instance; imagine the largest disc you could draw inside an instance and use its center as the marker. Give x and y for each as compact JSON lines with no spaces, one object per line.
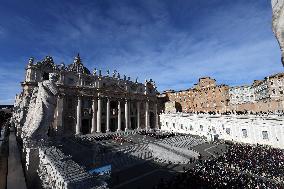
{"x":15,"y":177}
{"x":148,"y":175}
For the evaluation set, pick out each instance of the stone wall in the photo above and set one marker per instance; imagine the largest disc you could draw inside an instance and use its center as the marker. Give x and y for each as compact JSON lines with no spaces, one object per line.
{"x":58,"y":171}
{"x":267,"y":130}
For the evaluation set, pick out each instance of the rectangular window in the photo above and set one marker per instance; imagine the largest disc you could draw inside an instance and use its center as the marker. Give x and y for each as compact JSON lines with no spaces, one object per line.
{"x":245,"y":133}
{"x":191,"y":128}
{"x":228,"y":131}
{"x":181,"y":126}
{"x":201,"y":127}
{"x":214,"y":130}
{"x":174,"y":125}
{"x":265,"y":135}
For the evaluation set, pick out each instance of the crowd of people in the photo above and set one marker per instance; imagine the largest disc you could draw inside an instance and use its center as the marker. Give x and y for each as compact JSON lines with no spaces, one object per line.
{"x":158,"y":135}
{"x":245,"y":112}
{"x":90,"y":139}
{"x":121,"y":140}
{"x":257,"y":160}
{"x":242,"y":166}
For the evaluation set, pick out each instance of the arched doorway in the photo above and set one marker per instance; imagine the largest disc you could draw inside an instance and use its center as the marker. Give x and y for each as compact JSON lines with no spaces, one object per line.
{"x":152,"y":120}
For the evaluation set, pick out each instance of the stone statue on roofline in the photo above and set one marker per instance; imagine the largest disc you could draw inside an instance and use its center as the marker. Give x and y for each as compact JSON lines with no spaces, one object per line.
{"x":31,"y":61}
{"x":95,"y":71}
{"x":62,"y":66}
{"x":114,"y":73}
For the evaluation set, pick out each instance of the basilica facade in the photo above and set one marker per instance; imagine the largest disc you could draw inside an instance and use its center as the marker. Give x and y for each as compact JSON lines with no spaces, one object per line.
{"x":92,"y":102}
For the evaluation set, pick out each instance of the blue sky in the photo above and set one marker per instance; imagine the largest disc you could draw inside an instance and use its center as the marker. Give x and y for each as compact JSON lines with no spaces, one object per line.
{"x":173,"y":42}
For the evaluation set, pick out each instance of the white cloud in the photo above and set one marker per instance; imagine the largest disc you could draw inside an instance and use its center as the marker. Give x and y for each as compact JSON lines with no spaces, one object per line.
{"x":174,"y":44}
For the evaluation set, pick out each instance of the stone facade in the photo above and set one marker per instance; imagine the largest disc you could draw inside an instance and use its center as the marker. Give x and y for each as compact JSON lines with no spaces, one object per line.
{"x":59,"y":100}
{"x":171,"y":107}
{"x":263,"y":96}
{"x":59,"y":171}
{"x":251,"y":129}
{"x":269,"y":94}
{"x":210,"y":97}
{"x":261,"y":89}
{"x":90,"y":102}
{"x":241,"y":95}
{"x":183,"y":99}
{"x":276,"y":86}
{"x":205,"y":96}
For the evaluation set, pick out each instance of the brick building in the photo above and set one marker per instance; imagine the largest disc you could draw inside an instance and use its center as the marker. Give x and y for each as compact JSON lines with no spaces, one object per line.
{"x":210,"y":97}
{"x":269,"y":94}
{"x":263,"y":96}
{"x":205,"y":96}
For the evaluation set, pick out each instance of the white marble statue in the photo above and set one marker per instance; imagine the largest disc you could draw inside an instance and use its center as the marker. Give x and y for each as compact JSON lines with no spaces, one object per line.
{"x":278,"y":23}
{"x":41,"y":110}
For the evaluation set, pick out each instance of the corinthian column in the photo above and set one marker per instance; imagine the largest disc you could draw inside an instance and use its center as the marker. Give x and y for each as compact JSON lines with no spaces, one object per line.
{"x":99,"y":114}
{"x":156,"y":116}
{"x":59,"y":114}
{"x":94,"y":116}
{"x":118,"y":116}
{"x":126,"y":112}
{"x":108,"y":115}
{"x":147,"y":115}
{"x":79,"y":119}
{"x":138,"y":115}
